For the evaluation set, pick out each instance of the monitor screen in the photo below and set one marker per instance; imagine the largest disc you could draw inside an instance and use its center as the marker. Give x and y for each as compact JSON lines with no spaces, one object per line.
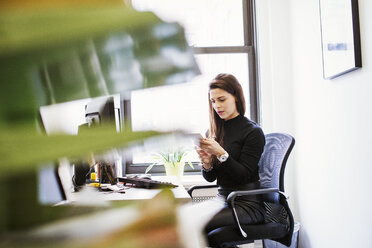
{"x":67,"y":117}
{"x":56,"y":181}
{"x":105,"y":110}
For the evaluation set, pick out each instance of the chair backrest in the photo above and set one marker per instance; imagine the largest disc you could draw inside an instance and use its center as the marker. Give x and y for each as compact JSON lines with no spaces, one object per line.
{"x":273,"y":160}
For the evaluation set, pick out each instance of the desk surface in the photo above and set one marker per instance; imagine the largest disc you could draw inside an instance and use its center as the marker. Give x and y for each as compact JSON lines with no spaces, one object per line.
{"x":132,"y":194}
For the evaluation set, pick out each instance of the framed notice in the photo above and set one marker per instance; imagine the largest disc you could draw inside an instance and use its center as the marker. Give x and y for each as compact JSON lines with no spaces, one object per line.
{"x":340,"y":35}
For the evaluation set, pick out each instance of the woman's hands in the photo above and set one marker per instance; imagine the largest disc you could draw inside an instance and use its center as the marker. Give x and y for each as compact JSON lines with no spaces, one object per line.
{"x":206,"y":149}
{"x":211,"y":147}
{"x":205,"y":157}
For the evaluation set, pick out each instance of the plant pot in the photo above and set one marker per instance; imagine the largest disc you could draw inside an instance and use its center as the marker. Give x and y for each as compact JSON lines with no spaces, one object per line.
{"x":174,"y":169}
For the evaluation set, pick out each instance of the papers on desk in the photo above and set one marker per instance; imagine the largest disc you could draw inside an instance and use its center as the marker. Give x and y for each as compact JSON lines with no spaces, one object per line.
{"x":112,"y":188}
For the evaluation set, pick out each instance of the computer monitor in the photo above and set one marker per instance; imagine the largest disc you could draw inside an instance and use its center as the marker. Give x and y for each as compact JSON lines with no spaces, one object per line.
{"x":50,"y":188}
{"x":105,"y":110}
{"x":67,"y":118}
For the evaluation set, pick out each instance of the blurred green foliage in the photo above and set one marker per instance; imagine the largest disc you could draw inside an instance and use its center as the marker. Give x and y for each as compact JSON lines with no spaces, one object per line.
{"x":52,"y":54}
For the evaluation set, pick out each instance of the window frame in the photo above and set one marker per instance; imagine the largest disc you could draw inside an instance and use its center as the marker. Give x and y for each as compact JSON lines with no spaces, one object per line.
{"x":250,"y":48}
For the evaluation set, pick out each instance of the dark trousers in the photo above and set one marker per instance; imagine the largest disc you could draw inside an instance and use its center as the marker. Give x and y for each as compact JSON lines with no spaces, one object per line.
{"x":248,"y":211}
{"x":252,"y":213}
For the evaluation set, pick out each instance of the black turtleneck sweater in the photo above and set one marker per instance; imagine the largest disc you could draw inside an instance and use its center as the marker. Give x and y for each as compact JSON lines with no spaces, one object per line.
{"x":244,"y":141}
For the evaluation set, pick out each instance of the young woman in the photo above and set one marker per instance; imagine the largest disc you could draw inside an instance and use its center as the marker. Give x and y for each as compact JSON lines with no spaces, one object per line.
{"x":231,"y":151}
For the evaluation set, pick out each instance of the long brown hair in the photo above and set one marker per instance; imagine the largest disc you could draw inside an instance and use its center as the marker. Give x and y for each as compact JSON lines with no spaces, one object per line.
{"x":229,"y":83}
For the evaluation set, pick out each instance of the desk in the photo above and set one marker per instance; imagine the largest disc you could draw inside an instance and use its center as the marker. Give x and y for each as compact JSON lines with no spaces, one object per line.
{"x":88,"y":228}
{"x":131,"y":194}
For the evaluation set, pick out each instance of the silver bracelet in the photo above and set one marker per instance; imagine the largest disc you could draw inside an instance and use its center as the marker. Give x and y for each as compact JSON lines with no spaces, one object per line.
{"x":206,"y":170}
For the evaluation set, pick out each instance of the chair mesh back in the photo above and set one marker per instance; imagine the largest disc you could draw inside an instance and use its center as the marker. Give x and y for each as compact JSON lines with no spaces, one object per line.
{"x":273,"y":160}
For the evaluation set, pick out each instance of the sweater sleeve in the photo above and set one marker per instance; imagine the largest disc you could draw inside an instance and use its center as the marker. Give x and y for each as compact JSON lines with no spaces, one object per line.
{"x":210,"y":176}
{"x":245,"y":169}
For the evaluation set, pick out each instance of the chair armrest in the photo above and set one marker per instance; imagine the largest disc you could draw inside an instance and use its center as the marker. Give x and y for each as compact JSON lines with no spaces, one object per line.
{"x":194,"y":187}
{"x":231,"y":197}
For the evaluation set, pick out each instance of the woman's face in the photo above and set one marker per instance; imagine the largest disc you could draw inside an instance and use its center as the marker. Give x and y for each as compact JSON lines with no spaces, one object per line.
{"x":223,"y":103}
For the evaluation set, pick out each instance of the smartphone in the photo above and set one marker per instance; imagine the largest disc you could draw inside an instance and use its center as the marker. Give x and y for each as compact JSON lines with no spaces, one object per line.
{"x":196,"y":138}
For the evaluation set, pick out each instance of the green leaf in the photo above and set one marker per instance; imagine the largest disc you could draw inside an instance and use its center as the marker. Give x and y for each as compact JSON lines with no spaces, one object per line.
{"x":37,"y":30}
{"x":53,"y":55}
{"x":22,"y":148}
{"x":149,"y":168}
{"x":164,"y":156}
{"x":191,"y":165}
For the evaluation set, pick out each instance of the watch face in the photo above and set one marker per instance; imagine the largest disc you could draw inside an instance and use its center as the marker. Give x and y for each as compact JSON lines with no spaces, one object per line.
{"x":222,"y":158}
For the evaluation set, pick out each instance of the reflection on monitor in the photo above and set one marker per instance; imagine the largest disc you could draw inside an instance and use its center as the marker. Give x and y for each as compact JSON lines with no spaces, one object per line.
{"x":50,"y":187}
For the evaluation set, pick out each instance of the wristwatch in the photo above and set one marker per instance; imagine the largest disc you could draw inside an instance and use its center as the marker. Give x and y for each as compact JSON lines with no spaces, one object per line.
{"x":223,"y":157}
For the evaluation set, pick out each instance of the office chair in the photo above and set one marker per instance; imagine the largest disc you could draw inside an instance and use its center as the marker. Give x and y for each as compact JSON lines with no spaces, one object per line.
{"x":279,"y":223}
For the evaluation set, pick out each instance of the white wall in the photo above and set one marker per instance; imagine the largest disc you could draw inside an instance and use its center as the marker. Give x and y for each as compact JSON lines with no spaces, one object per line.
{"x":329,"y":173}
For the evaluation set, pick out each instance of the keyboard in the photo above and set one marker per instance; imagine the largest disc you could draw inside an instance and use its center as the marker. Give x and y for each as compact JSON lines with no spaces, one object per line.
{"x":145,"y":183}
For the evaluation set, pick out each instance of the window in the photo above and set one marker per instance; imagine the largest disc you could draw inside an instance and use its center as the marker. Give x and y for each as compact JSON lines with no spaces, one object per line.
{"x":221,"y":34}
{"x":199,"y":19}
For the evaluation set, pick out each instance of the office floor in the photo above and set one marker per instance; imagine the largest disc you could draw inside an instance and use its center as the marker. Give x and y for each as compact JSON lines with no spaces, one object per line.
{"x":257,"y":244}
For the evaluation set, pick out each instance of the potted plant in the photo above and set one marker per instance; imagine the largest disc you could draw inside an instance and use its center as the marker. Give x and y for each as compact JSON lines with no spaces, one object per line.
{"x":171,"y":160}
